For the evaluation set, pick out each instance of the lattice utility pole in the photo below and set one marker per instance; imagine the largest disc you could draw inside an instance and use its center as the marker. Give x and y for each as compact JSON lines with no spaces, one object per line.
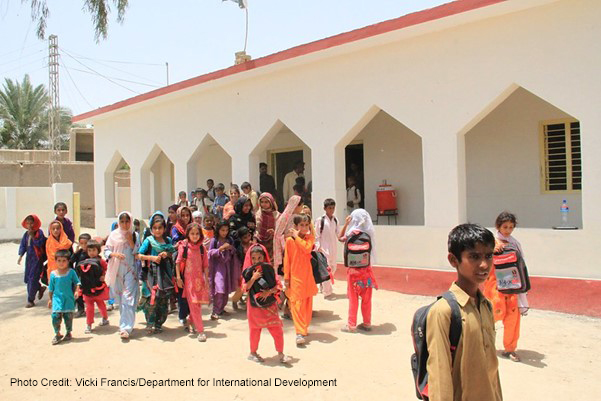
{"x":54,"y":110}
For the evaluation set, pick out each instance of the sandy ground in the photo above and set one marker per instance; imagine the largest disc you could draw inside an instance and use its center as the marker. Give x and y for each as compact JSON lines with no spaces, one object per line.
{"x":561,"y":354}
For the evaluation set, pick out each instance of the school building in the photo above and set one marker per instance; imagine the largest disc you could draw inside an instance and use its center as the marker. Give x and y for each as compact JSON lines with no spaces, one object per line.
{"x":466,"y":109}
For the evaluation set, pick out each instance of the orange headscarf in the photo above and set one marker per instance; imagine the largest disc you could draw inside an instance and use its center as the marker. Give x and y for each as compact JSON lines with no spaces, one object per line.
{"x":52,"y":245}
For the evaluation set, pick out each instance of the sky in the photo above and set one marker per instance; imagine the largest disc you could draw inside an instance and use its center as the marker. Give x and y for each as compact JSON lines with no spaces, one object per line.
{"x":194,"y":36}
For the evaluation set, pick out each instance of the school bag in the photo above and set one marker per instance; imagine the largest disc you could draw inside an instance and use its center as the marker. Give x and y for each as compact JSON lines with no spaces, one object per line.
{"x":511,"y":271}
{"x":266,"y":282}
{"x":418,"y":333}
{"x":89,"y":272}
{"x":319,"y":263}
{"x":322,"y":223}
{"x":357,"y":250}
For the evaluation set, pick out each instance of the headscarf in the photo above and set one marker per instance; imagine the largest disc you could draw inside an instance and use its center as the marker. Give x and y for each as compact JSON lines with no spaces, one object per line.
{"x":248,"y":260}
{"x":53,"y":245}
{"x":243,"y":218}
{"x":266,"y":218}
{"x":118,"y":242}
{"x":180,"y":225}
{"x":283,"y":223}
{"x":361,"y":221}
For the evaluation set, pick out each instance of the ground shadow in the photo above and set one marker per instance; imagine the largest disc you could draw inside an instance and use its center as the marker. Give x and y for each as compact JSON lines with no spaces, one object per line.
{"x":211,"y":334}
{"x":105,"y":330}
{"x":169,"y":334}
{"x":336,"y":297}
{"x":12,"y":280}
{"x":325,"y":316}
{"x":530,"y":358}
{"x":325,"y":338}
{"x":274,"y":362}
{"x":76,"y":340}
{"x":383,"y":329}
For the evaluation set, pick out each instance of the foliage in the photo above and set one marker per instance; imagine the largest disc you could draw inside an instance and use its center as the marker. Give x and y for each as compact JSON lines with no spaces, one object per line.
{"x":99,"y":10}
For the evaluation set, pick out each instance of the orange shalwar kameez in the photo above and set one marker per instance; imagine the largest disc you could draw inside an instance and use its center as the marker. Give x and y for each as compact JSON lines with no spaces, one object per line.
{"x":505,"y":308}
{"x":299,"y":273}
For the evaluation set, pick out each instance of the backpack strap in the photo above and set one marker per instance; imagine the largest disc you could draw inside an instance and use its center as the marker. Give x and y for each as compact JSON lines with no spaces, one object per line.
{"x":456,"y":327}
{"x":323,"y":221}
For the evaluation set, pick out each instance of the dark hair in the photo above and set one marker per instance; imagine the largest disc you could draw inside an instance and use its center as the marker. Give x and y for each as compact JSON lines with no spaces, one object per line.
{"x":192,"y":226}
{"x":62,"y":253}
{"x":220,"y":223}
{"x":299,"y":163}
{"x":209,"y":216}
{"x":211,"y":180}
{"x":299,"y":218}
{"x":258,"y":249}
{"x":202,"y":191}
{"x":298,"y":188}
{"x":158,"y":219}
{"x":242,"y":231}
{"x":466,"y":236}
{"x":85,"y":236}
{"x":30,"y":218}
{"x":300,"y":181}
{"x":235,"y":187}
{"x":173,"y":208}
{"x":504,"y":217}
{"x":136,"y":222}
{"x":59,"y":204}
{"x":220,"y":187}
{"x":94,"y":245}
{"x":245,"y":185}
{"x":182,"y":193}
{"x":329,"y":202}
{"x":193,"y":208}
{"x":262,"y":164}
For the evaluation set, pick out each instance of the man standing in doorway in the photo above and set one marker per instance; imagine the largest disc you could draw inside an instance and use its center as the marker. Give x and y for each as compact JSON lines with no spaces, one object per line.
{"x":290,"y":179}
{"x":266,"y":181}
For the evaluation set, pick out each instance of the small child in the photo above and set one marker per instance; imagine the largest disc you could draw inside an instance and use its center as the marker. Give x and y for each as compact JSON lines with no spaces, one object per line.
{"x":298,"y":275}
{"x":220,"y":200}
{"x":360,"y":280}
{"x":211,"y":189}
{"x":250,"y":194}
{"x":262,"y":317}
{"x":473,"y":373}
{"x":182,"y":199}
{"x":243,"y":217}
{"x":208,"y":229}
{"x":171,"y":219}
{"x":507,"y":307}
{"x":57,"y":240}
{"x":33,"y":244}
{"x":242,"y":244}
{"x":60,"y":209}
{"x":353,"y":195}
{"x":192,"y":262}
{"x":95,"y":290}
{"x":63,"y":289}
{"x":80,"y":254}
{"x":326,"y":241}
{"x":229,"y":208}
{"x":223,"y":277}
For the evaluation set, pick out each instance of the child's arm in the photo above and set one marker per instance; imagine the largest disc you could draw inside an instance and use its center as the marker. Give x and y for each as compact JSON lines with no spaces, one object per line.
{"x":439,"y":365}
{"x":50,"y":290}
{"x":256,"y":275}
{"x":22,"y":248}
{"x":357,"y":199}
{"x":341,"y":235}
{"x":287,"y":263}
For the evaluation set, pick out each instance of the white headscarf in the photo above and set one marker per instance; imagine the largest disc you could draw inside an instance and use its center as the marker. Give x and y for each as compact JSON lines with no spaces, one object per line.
{"x":361,"y":221}
{"x":117,"y":242}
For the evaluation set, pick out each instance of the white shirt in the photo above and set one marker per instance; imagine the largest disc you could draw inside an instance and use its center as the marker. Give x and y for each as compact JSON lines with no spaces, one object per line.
{"x":327,"y":238}
{"x":289,"y":183}
{"x":353,"y":195}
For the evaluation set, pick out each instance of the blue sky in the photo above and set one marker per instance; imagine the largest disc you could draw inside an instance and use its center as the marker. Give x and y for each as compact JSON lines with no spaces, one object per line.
{"x":194,"y":36}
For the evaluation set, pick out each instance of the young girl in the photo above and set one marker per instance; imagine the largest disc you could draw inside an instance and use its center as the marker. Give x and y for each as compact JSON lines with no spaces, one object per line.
{"x":155,"y":249}
{"x":298,"y":275}
{"x":223,"y":276}
{"x":228,"y":209}
{"x":63,"y":289}
{"x":33,"y":244}
{"x":193,"y":263}
{"x":243,"y":217}
{"x":360,"y":281}
{"x":94,"y":293}
{"x":260,"y":318}
{"x":265,"y":219}
{"x":506,"y":307}
{"x":178,"y":233}
{"x":123,"y":271}
{"x":182,"y":201}
{"x":60,"y":209}
{"x":57,"y":241}
{"x":172,"y":219}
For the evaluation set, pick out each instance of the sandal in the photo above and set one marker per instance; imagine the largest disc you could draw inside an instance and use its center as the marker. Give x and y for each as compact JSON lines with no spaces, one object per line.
{"x":41,"y":292}
{"x":285,"y":359}
{"x":29,"y":304}
{"x":256,"y":358}
{"x":150,"y":330}
{"x":348,"y":329}
{"x":364,"y":327}
{"x":67,"y":337}
{"x":57,"y":339}
{"x":214,"y":316}
{"x":124,"y":335}
{"x":300,"y":339}
{"x":88,"y":329}
{"x":202,"y":337}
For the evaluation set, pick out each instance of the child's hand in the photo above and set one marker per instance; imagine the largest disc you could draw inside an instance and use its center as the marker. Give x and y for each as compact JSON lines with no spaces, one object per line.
{"x":118,"y":255}
{"x":287,"y":283}
{"x":499,"y":246}
{"x":257,"y":275}
{"x":19,"y":260}
{"x":225,"y":246}
{"x":293,"y":232}
{"x":156,"y":259}
{"x":102,"y":278}
{"x":180,"y":282}
{"x":264,"y":294}
{"x":76,"y":295}
{"x":49,"y":303}
{"x":164,"y":255}
{"x":270,"y":231}
{"x":348,"y":219}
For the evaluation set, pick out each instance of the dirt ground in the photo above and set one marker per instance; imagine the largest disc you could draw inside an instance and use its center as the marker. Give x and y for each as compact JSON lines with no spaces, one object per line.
{"x":561,"y":354}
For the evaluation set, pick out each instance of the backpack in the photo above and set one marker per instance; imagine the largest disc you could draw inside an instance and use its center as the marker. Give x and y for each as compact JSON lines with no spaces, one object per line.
{"x":89,"y":272}
{"x":185,"y":257}
{"x":357,"y":250}
{"x":511,"y":271}
{"x":319,"y":263}
{"x":266,"y":282}
{"x":419,"y":359}
{"x":323,"y":219}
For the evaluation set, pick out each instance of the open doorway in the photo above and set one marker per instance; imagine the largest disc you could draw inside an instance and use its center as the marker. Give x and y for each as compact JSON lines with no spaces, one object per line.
{"x":354,"y":167}
{"x":282,"y":163}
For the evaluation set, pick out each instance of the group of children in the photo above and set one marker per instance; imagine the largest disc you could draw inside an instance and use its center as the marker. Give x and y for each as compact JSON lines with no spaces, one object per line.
{"x":264,"y":257}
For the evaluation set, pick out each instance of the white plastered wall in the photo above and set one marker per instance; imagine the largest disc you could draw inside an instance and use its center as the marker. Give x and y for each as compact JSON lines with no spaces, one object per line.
{"x":440,"y":84}
{"x":210,"y":160}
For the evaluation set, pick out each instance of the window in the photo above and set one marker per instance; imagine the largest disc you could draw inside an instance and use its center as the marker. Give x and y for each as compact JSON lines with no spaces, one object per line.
{"x":562,"y":158}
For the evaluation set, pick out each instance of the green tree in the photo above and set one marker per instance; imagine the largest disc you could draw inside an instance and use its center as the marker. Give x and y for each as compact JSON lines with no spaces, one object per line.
{"x":99,"y":10}
{"x":23,"y":114}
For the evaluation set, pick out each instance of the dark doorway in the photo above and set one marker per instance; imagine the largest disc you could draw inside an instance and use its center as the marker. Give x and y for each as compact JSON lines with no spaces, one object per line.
{"x":283,"y":163}
{"x":354,"y":166}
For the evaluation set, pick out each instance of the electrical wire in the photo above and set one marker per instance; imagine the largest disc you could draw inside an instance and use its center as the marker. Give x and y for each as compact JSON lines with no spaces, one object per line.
{"x":21,"y":57}
{"x":62,"y":63}
{"x":23,"y":65}
{"x":115,"y":78}
{"x":112,"y":61}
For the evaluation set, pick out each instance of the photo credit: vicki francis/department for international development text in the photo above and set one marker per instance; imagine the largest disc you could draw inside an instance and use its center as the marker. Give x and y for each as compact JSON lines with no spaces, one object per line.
{"x":153,"y":383}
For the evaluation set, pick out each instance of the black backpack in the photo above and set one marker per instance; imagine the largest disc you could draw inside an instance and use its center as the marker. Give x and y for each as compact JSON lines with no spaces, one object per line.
{"x":89,"y":272}
{"x":511,"y":271}
{"x":419,"y":359}
{"x":266,"y":282}
{"x":357,"y":250}
{"x":319,"y":263}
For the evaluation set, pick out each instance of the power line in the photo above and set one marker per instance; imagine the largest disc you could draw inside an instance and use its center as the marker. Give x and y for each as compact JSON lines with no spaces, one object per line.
{"x":21,"y":57}
{"x":21,"y":49}
{"x":111,"y":61}
{"x":115,"y":78}
{"x":74,"y":84}
{"x":23,"y":65}
{"x":97,"y":73}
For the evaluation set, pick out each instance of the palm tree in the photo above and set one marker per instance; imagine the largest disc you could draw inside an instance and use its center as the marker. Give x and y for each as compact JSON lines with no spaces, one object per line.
{"x":23,"y":112}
